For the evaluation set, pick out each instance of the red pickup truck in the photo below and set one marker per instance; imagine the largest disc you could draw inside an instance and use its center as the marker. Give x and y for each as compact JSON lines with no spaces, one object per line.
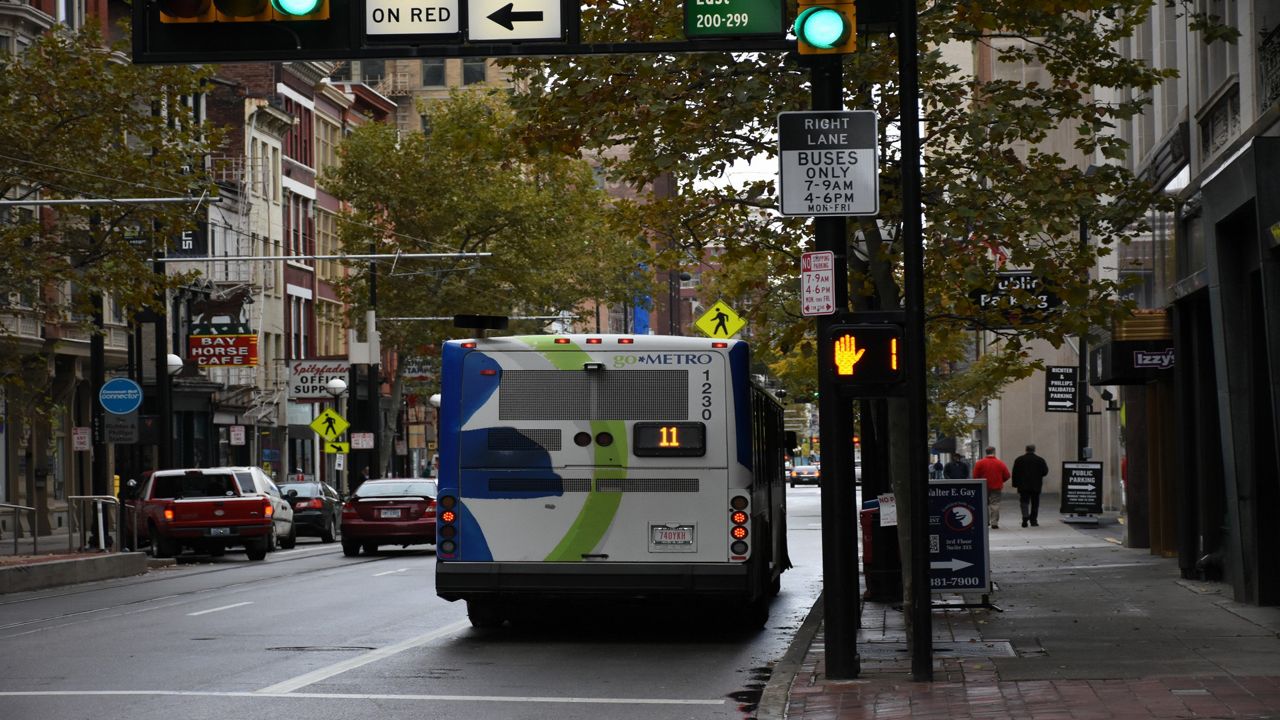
{"x":203,"y":509}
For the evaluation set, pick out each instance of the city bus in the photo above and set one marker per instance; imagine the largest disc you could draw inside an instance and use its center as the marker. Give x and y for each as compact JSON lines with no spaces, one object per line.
{"x":608,"y":467}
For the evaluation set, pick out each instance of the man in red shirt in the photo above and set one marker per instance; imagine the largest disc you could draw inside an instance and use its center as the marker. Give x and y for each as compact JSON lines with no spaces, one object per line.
{"x":995,"y":472}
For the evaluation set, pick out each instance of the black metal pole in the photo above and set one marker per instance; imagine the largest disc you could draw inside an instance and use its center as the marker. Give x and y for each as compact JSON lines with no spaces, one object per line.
{"x":375,"y":402}
{"x":99,"y":482}
{"x":835,"y":427}
{"x":921,"y":640}
{"x":1082,"y":381}
{"x":164,"y":384}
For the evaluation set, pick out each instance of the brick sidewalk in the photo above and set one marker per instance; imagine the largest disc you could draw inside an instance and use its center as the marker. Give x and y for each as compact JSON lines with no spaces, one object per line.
{"x":968,"y":689}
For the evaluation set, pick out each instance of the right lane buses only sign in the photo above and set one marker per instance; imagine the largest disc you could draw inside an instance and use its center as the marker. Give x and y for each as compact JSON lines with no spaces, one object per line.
{"x":828,"y":163}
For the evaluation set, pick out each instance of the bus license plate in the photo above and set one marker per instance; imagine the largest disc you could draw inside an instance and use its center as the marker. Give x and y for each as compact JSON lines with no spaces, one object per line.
{"x":394,"y":513}
{"x":672,"y":538}
{"x":216,"y":532}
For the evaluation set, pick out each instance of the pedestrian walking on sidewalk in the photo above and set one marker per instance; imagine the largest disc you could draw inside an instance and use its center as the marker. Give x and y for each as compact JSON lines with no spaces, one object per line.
{"x":996,"y":473}
{"x":1029,"y":471}
{"x":957,"y":469}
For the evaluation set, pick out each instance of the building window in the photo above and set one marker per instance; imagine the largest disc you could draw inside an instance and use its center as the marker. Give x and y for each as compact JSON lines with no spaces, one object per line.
{"x":372,"y":71}
{"x":328,"y":137}
{"x":473,"y":71}
{"x":433,"y":72}
{"x":342,"y":73}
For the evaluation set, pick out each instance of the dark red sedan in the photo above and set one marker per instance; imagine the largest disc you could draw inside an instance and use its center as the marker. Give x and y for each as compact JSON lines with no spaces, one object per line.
{"x":389,"y":512}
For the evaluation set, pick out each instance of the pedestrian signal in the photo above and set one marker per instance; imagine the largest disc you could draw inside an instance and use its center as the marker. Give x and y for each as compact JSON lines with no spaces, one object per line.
{"x":824,"y":27}
{"x":867,"y":355}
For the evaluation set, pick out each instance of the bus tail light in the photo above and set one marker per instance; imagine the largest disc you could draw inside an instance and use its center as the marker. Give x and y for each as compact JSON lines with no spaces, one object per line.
{"x":446,"y":530}
{"x":739,"y":517}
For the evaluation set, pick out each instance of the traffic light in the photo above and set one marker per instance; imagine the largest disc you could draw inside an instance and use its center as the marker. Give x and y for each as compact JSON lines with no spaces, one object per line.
{"x":212,"y":31}
{"x":212,"y":11}
{"x":867,"y":356}
{"x":824,"y":27}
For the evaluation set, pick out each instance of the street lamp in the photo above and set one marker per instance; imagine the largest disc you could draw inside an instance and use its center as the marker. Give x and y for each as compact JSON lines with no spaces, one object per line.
{"x":172,"y":365}
{"x":337,"y":387}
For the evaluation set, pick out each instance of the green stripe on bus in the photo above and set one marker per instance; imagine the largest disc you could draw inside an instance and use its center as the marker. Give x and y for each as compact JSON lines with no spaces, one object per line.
{"x":600,"y":508}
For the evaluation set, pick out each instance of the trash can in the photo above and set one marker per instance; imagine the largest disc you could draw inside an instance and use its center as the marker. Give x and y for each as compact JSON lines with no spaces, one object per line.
{"x":881,"y":565}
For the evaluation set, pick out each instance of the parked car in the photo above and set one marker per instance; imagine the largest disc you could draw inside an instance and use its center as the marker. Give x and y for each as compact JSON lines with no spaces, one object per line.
{"x":317,"y":508}
{"x":253,"y":481}
{"x":205,"y":509}
{"x":804,"y":475}
{"x":393,"y":511}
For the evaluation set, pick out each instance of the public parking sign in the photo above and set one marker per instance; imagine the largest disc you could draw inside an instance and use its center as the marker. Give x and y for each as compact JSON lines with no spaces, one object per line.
{"x":959,"y":554}
{"x":1081,"y":488}
{"x":828,"y":163}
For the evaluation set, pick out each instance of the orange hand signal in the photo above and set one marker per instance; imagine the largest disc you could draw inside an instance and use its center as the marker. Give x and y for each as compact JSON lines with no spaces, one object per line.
{"x":847,"y":354}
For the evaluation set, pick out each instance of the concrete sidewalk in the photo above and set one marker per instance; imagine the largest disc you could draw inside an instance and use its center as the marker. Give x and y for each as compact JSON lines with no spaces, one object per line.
{"x":1089,"y":630}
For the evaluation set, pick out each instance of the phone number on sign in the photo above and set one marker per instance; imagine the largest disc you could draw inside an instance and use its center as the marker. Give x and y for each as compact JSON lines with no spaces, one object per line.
{"x":955,"y":582}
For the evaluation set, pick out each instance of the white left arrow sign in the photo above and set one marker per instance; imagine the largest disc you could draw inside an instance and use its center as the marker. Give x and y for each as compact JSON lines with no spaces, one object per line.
{"x":508,"y":20}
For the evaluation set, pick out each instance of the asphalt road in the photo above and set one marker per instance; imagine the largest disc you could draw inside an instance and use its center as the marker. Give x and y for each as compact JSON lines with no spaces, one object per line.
{"x":312,"y":634}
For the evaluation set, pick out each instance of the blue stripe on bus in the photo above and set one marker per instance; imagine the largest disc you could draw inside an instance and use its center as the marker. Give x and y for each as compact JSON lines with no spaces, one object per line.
{"x":740,"y":381}
{"x":527,"y":464}
{"x":450,"y":423}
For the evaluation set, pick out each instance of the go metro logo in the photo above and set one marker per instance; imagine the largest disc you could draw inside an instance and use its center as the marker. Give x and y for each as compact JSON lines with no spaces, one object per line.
{"x":622,"y":361}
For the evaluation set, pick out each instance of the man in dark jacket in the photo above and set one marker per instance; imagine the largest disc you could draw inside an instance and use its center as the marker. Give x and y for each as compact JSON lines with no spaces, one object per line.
{"x":957,"y":469}
{"x":1029,"y":471}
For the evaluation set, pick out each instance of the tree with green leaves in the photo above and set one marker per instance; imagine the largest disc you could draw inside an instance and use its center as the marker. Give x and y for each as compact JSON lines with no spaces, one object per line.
{"x":470,"y":185}
{"x":1018,"y":98}
{"x":78,"y":121}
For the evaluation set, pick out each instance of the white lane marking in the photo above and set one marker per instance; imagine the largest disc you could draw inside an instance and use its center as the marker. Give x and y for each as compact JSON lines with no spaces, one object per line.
{"x":367,"y":696}
{"x":390,"y":572}
{"x":325,"y":673}
{"x":219,"y":609}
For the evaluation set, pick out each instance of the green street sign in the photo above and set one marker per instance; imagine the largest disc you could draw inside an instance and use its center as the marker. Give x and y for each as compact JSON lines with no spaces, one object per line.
{"x":732,"y":18}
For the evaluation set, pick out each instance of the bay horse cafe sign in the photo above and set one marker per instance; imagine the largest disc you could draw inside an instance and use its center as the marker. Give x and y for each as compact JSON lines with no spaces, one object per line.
{"x":218,"y":335}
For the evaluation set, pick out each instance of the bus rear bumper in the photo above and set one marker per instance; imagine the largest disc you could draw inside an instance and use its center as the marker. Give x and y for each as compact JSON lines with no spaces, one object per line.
{"x":463,"y":580}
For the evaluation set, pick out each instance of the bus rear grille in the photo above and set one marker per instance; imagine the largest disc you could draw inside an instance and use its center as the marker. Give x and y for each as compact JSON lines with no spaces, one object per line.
{"x":649,"y":485}
{"x":514,"y":439}
{"x":575,"y":485}
{"x":613,"y":395}
{"x":538,"y":485}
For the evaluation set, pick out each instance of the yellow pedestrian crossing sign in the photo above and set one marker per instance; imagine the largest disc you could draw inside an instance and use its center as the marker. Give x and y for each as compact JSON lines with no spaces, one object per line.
{"x":336,"y":448}
{"x":720,"y":321}
{"x":329,"y":424}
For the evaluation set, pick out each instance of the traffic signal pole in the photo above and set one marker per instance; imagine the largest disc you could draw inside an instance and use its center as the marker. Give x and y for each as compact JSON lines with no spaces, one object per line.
{"x":921,"y":634}
{"x":835,"y":427}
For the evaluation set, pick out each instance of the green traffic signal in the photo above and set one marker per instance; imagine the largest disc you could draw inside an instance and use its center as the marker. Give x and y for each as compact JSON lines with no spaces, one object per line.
{"x":822,"y":27}
{"x":295,"y":7}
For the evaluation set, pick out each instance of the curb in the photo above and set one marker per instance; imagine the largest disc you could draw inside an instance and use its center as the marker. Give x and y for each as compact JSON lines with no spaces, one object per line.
{"x":43,"y":575}
{"x":773,"y":701}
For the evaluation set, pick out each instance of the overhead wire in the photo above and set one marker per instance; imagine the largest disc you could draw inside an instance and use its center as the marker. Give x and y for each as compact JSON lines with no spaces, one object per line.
{"x":226,"y":226}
